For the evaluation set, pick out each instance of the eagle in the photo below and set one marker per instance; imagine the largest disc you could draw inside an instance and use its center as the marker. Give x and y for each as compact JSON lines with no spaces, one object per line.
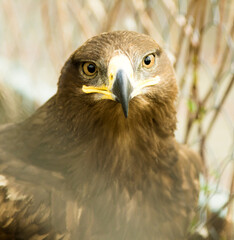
{"x":99,"y":160}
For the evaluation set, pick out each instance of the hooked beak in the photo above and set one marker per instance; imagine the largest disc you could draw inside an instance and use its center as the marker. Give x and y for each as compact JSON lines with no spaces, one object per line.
{"x":122,"y":90}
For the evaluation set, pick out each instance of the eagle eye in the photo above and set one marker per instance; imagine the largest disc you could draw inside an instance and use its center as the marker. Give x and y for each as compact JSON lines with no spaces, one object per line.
{"x":89,"y":69}
{"x":148,"y":61}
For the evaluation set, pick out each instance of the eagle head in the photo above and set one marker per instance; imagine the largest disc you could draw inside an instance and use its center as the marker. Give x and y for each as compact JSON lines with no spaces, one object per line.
{"x":122,"y":74}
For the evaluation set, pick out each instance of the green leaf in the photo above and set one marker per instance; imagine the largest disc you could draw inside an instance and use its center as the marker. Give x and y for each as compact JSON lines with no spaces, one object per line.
{"x":192,"y":106}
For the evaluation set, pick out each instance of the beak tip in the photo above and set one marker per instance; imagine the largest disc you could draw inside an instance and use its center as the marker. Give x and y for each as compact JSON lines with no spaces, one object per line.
{"x":125,"y":113}
{"x":124,"y":105}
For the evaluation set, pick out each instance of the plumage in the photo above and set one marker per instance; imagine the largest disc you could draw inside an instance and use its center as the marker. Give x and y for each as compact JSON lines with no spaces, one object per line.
{"x":99,"y":159}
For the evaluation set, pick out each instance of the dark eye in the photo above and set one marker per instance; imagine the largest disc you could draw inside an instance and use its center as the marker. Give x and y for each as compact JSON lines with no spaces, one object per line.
{"x":89,"y":69}
{"x":148,"y":61}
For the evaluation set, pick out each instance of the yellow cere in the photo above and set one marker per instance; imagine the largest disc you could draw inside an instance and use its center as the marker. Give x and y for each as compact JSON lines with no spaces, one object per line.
{"x":101,"y":89}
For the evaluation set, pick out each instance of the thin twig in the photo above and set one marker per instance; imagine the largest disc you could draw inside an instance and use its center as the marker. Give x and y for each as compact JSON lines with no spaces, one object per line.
{"x":182,"y":33}
{"x":230,"y":233}
{"x":223,"y":61}
{"x":145,"y":20}
{"x":213,"y":217}
{"x":55,"y":58}
{"x":111,"y":17}
{"x":196,"y":48}
{"x":82,"y":19}
{"x":217,"y":110}
{"x":219,"y":30}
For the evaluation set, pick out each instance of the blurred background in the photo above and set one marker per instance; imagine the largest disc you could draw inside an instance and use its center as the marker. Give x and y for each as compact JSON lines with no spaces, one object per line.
{"x":38,"y":36}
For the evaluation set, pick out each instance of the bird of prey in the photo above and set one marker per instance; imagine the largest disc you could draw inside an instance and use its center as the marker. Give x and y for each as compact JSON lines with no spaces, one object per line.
{"x":99,"y":161}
